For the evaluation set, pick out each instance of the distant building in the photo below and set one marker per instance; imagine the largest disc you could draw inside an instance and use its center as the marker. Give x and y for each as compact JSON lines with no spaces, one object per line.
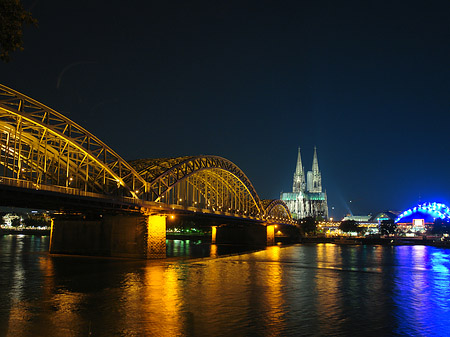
{"x":371,"y":223}
{"x":357,"y":218}
{"x":9,"y":218}
{"x":386,"y":215}
{"x":307,"y":198}
{"x":419,"y":218}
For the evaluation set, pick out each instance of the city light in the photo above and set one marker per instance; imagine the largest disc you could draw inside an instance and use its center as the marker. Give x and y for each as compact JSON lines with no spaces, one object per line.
{"x":436,"y":210}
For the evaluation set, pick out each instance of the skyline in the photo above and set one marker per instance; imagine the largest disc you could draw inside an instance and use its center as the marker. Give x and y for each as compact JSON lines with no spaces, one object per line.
{"x":366,"y":83}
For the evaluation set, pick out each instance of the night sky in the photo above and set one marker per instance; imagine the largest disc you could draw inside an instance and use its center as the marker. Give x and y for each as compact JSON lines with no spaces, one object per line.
{"x":367,"y":82}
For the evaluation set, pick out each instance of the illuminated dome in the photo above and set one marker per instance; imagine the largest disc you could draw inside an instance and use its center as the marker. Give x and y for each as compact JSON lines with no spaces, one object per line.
{"x":386,"y":215}
{"x":427,"y":211}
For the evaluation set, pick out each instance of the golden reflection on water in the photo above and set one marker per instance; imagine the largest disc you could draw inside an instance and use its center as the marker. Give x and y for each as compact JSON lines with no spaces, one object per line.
{"x":153,"y":301}
{"x":213,"y":251}
{"x":327,"y":287}
{"x":26,"y":320}
{"x":274,"y":293}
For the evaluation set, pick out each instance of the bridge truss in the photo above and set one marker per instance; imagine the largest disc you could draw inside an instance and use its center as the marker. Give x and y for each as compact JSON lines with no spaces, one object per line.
{"x":39,"y":145}
{"x":276,"y":209}
{"x":42,"y":147}
{"x":209,"y":182}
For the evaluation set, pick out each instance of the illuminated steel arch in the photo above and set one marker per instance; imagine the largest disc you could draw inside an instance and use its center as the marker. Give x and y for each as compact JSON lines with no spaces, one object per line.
{"x":276,"y":209}
{"x":40,"y":145}
{"x":436,"y":210}
{"x":210,"y":182}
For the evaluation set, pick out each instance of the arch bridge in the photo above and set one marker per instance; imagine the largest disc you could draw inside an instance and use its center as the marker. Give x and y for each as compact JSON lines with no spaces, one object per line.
{"x":44,"y":152}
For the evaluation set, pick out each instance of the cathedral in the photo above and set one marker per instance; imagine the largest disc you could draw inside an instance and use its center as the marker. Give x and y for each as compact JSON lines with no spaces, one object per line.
{"x":307,"y":198}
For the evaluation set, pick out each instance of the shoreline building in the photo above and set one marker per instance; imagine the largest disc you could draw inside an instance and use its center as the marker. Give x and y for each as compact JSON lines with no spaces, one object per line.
{"x":307,"y":198}
{"x":423,"y":216}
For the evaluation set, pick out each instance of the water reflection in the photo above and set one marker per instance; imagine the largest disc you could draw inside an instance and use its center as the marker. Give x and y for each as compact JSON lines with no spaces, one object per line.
{"x":150,"y":302}
{"x":327,"y":289}
{"x":422,"y":290}
{"x":274,"y":320}
{"x":213,"y":251}
{"x":280,"y":291}
{"x":198,"y":248}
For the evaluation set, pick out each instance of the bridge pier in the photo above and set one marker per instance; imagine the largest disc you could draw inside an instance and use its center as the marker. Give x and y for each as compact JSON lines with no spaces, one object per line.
{"x":119,"y":235}
{"x":156,"y":236}
{"x":270,"y":235}
{"x":213,"y":234}
{"x":257,"y":235}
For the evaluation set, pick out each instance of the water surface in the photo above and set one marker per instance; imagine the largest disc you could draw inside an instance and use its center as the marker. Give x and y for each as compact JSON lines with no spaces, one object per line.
{"x":300,"y":290}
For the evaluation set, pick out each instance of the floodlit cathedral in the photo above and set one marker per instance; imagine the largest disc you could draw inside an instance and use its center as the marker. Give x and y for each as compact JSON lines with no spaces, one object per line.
{"x":307,"y":198}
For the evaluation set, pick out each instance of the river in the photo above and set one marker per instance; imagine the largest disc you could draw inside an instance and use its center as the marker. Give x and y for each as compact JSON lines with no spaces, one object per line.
{"x":298,"y":290}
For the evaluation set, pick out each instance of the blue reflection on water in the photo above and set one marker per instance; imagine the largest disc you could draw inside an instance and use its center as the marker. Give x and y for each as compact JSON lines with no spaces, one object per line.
{"x":422,"y":293}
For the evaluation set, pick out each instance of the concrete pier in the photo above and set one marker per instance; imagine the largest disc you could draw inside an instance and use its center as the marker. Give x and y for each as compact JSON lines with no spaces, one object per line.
{"x":156,"y":236}
{"x":256,"y":235}
{"x":270,"y":235}
{"x":120,"y":235}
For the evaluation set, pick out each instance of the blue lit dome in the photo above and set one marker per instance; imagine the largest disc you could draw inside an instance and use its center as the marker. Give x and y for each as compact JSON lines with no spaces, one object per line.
{"x":427,"y":211}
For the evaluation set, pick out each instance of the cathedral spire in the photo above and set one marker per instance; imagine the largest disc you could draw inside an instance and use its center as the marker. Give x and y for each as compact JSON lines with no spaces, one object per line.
{"x":314,"y":176}
{"x":299,"y":175}
{"x":299,"y":167}
{"x":315,"y":165}
{"x":307,"y":198}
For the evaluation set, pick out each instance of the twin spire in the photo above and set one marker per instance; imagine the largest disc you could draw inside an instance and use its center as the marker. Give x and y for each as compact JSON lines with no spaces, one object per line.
{"x":314,"y":183}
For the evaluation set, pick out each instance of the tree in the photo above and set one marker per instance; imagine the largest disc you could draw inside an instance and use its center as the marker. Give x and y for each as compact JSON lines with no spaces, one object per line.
{"x":15,"y":222}
{"x":388,"y":227}
{"x":350,"y":226}
{"x":12,"y":18}
{"x":308,"y":224}
{"x":36,"y":222}
{"x":441,"y":226}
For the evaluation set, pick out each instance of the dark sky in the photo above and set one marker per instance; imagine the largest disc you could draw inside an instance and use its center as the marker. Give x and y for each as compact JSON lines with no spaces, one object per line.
{"x":367,"y":82}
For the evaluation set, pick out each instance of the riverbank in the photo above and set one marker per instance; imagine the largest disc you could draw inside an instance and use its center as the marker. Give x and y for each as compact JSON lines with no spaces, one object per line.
{"x":180,"y":236}
{"x":25,"y":231}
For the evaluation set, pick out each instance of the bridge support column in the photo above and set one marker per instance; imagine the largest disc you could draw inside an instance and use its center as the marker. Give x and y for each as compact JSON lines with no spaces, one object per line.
{"x":213,"y":234}
{"x":270,"y":232}
{"x":156,"y":236}
{"x":253,"y":235}
{"x":118,"y":235}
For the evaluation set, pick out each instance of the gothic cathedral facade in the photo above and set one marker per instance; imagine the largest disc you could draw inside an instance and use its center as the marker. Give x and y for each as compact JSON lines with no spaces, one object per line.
{"x":307,"y":198}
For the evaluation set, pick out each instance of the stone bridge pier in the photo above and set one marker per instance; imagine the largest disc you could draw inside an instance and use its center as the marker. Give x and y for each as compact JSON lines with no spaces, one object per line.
{"x":137,"y":235}
{"x":119,"y":235}
{"x":254,"y":235}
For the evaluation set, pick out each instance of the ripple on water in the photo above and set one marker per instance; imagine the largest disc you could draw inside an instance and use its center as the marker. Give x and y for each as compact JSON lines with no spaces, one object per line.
{"x":291,"y":291}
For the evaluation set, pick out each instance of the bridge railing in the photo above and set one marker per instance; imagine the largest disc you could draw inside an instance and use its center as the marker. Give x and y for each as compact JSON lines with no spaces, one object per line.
{"x":65,"y":190}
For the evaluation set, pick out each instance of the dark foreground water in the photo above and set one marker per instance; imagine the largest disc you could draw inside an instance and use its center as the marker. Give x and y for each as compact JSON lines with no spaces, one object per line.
{"x":301,"y":290}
